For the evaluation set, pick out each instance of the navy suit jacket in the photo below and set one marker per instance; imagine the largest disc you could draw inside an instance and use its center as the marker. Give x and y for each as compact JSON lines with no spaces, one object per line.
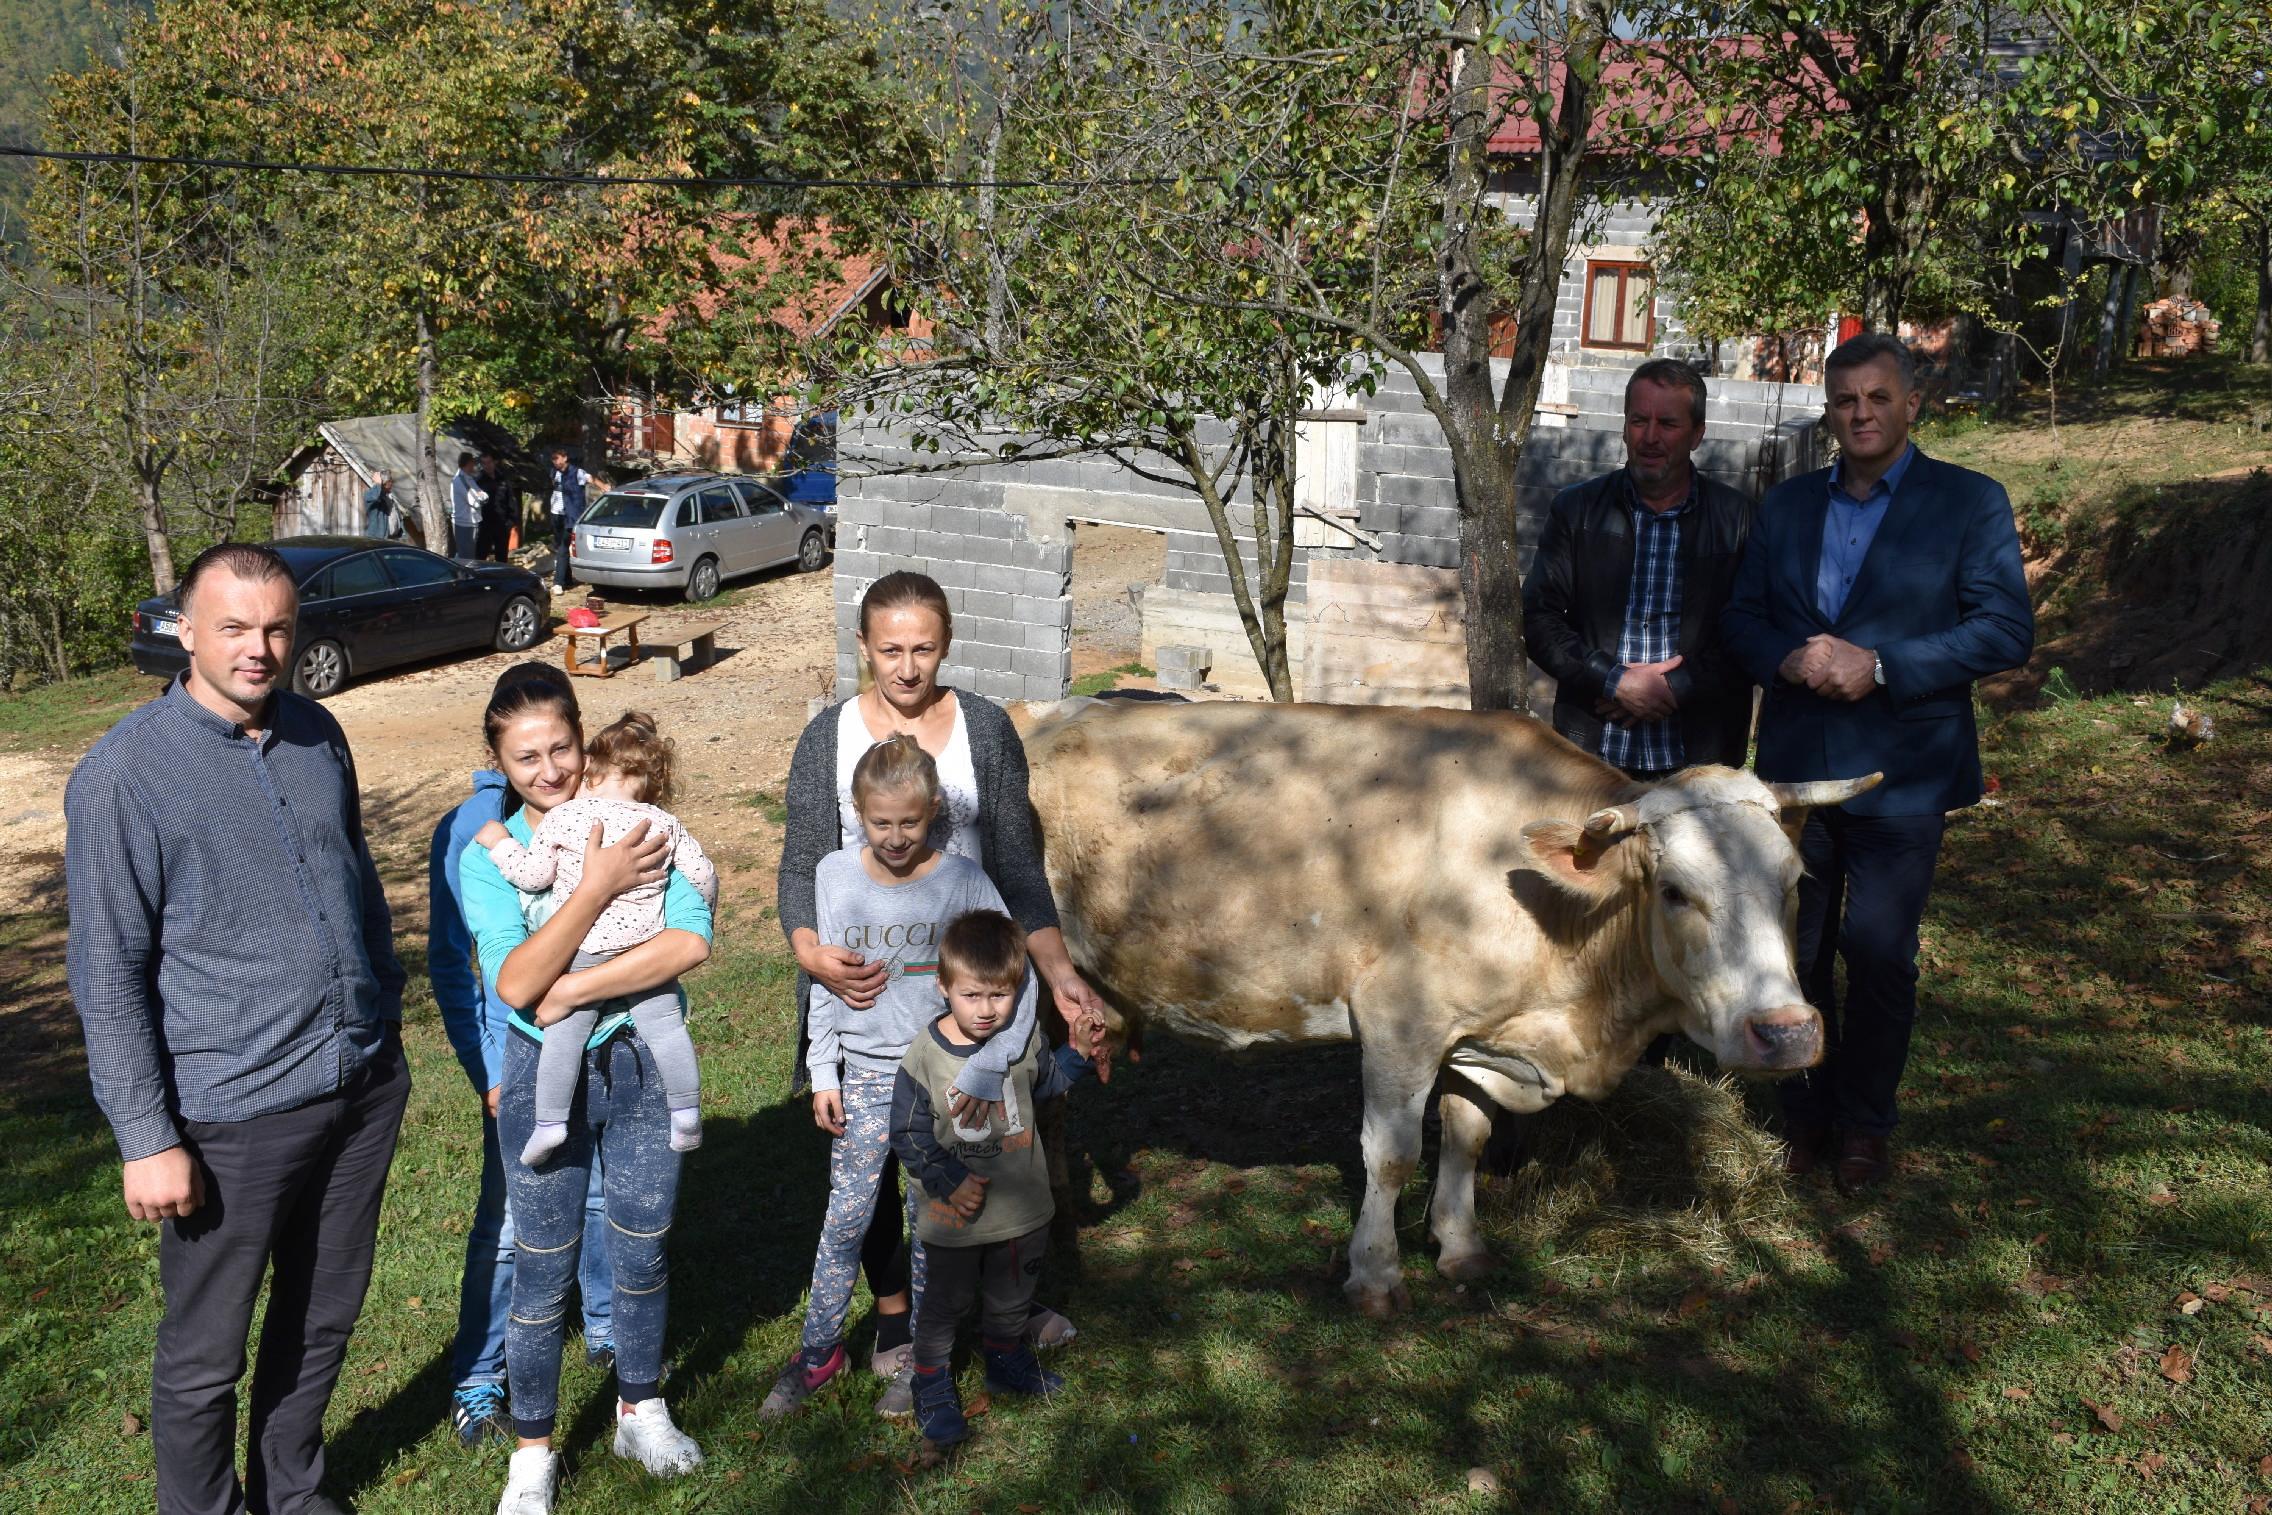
{"x":1941,"y":598}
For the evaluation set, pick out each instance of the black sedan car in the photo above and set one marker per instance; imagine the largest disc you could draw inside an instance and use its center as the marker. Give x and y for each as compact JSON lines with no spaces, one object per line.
{"x":367,"y":605}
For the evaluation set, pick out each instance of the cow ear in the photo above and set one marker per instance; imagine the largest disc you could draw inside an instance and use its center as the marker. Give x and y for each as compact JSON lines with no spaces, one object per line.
{"x":1573,"y":859}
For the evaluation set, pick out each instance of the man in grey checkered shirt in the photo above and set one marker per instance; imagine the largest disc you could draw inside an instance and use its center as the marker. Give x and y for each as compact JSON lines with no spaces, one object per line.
{"x":233,"y":964}
{"x":1622,"y":602}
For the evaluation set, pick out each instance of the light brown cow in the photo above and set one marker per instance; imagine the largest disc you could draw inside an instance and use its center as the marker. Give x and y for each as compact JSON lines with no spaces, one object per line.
{"x":1465,"y":894}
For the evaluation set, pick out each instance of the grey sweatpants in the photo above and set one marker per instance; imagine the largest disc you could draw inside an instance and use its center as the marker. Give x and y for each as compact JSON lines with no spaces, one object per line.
{"x":999,"y":1276}
{"x":662,"y":1026}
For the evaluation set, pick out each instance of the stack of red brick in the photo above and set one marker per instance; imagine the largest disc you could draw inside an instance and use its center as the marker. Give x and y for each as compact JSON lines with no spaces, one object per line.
{"x":2176,"y":328}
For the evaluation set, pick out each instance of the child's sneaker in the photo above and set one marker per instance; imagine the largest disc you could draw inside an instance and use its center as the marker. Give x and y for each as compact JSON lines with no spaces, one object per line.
{"x":645,"y":1434}
{"x":1046,"y":1328}
{"x":1015,"y":1370}
{"x":938,"y":1408}
{"x":798,"y":1381}
{"x":898,"y":1399}
{"x":477,"y":1413}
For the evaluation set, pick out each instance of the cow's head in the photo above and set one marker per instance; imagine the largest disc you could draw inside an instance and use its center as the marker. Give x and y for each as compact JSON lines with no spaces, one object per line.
{"x":1705,"y":863}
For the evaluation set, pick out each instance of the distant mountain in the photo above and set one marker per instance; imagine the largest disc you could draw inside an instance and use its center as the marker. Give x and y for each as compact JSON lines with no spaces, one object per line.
{"x":39,"y":38}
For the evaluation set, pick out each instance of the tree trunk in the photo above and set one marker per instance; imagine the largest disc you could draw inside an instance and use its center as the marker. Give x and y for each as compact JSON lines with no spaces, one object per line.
{"x":1885,"y":268}
{"x":1264,"y":618}
{"x":2260,"y":340}
{"x":428,"y":496}
{"x":2111,"y":328}
{"x":1489,"y":431}
{"x":150,"y":506}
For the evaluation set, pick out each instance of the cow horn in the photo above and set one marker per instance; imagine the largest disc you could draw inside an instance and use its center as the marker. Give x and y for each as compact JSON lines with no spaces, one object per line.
{"x":1823,"y":791}
{"x":1612,"y":821}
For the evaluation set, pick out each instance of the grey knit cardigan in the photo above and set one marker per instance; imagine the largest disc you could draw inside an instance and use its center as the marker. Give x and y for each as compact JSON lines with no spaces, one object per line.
{"x":1005,"y":818}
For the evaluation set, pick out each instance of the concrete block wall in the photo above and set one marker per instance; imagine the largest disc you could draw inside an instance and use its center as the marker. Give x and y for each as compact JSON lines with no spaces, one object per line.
{"x":1009,"y":586}
{"x":998,"y":536}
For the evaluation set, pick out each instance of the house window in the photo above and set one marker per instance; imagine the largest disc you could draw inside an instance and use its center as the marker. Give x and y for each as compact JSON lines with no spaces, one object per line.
{"x":1620,"y":306}
{"x":732,"y":412}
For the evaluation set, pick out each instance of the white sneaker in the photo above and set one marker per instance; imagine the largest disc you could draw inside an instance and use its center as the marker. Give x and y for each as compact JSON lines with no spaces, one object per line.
{"x":532,"y":1480}
{"x":645,"y":1434}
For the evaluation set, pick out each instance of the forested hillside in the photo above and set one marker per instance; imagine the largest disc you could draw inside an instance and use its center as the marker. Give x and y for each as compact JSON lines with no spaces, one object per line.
{"x":37,"y":37}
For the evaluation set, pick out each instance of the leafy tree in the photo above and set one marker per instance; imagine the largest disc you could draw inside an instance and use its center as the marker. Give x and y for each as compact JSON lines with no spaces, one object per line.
{"x":1327,"y":196}
{"x":2166,"y":101}
{"x":1853,"y":154}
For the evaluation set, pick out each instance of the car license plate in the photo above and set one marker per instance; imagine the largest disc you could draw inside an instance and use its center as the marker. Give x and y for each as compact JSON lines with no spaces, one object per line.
{"x":604,"y":540}
{"x":164,"y":628}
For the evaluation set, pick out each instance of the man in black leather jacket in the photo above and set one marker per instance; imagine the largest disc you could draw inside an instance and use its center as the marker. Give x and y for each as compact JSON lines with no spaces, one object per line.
{"x":1622,"y":604}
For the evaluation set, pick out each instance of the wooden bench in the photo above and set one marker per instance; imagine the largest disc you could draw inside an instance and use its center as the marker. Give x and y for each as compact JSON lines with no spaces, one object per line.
{"x":626,"y":622}
{"x":700,"y":640}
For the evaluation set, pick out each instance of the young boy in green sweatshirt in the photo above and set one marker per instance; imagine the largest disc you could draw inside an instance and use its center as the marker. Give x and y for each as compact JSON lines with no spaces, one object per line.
{"x":985,"y":1222}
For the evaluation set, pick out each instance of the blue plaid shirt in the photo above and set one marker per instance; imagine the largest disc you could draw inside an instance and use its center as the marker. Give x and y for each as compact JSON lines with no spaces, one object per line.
{"x":1651,"y":634}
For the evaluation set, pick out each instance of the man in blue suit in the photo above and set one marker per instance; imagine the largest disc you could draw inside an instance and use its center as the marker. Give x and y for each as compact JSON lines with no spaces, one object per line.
{"x":1871,"y":595}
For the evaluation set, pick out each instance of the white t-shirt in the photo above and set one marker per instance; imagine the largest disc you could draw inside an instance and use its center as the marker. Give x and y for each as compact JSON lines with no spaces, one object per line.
{"x":956,"y":829}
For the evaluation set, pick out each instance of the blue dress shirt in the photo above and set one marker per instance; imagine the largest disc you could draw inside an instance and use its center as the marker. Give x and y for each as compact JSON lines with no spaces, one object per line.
{"x":1849,"y":528}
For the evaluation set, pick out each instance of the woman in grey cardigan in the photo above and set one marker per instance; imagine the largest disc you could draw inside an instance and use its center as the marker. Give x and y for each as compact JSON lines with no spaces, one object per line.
{"x":906,"y":627}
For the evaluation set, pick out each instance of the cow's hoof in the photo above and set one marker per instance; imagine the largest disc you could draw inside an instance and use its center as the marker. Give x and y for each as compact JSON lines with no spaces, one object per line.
{"x":1466,"y":1267}
{"x":1380,"y":1304}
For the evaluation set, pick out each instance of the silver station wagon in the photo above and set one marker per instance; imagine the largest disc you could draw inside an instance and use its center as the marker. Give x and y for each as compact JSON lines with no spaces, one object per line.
{"x":688,"y":531}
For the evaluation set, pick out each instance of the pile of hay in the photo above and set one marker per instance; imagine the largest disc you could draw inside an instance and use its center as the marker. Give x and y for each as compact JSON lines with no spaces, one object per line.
{"x":1673,"y":1165}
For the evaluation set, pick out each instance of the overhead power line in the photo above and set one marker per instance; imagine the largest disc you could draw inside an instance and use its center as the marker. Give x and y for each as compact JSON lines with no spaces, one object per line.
{"x":593,"y":181}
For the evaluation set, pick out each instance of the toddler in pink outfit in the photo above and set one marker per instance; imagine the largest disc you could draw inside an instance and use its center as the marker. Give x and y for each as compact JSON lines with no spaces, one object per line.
{"x":626,"y":777}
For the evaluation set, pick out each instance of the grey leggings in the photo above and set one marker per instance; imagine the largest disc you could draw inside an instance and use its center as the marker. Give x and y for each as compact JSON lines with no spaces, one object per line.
{"x":856,"y":1163}
{"x":662,"y":1026}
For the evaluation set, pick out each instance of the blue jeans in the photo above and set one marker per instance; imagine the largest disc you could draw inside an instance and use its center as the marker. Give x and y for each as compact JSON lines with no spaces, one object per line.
{"x":486,"y":1296}
{"x":621,"y":1118}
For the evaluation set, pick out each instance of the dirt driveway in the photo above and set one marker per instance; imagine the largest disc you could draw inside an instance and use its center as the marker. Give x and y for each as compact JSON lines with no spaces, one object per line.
{"x":417,"y":733}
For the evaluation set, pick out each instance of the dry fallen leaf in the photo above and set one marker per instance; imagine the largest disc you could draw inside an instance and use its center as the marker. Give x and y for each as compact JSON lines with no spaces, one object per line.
{"x":2148,"y":1464}
{"x":2016,"y":1392}
{"x":130,"y":1424}
{"x":2108,"y":1421}
{"x":2177,"y":1364}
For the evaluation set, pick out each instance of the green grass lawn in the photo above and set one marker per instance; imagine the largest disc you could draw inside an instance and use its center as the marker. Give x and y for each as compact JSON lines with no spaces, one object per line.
{"x":2065,"y":1304}
{"x":71,"y":714}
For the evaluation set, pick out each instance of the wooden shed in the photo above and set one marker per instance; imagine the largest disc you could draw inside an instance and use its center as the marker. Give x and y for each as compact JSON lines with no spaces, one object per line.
{"x":324,"y":481}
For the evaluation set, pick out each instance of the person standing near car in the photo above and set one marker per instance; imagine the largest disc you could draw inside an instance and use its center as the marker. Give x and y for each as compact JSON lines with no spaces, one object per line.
{"x":499,"y":511}
{"x":466,"y":499}
{"x":242,"y":1006}
{"x":379,"y":507}
{"x":567,"y":490}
